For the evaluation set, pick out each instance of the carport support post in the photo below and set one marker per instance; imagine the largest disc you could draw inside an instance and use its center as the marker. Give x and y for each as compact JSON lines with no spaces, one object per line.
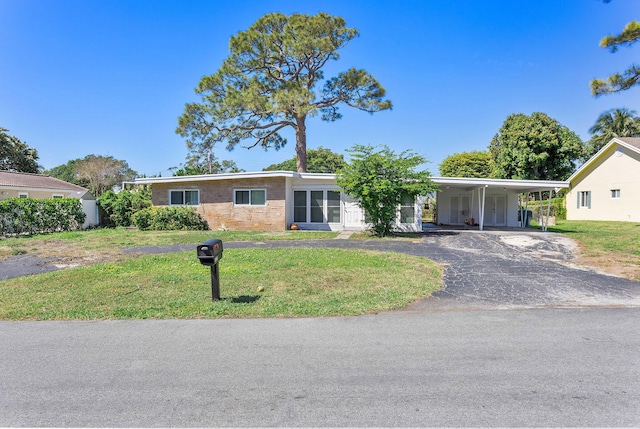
{"x":215,"y":282}
{"x":481,"y":195}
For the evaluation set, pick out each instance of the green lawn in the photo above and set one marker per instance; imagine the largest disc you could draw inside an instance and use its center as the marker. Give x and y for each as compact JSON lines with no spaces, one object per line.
{"x":297,"y":283}
{"x":598,"y":237}
{"x":613,"y":247}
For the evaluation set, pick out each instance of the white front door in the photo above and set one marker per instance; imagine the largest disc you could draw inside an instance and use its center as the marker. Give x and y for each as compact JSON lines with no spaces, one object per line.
{"x":353,"y":214}
{"x":495,"y":210}
{"x":459,"y":212}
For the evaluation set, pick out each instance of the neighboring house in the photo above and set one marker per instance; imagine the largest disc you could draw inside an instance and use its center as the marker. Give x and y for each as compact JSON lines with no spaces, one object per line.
{"x":273,"y":200}
{"x":485,"y":202}
{"x":607,"y":186}
{"x":28,"y":185}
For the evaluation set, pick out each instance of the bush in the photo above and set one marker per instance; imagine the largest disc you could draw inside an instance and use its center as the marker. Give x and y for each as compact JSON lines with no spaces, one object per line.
{"x":169,"y":218}
{"x":558,"y":208}
{"x":119,"y":208}
{"x":34,"y":216}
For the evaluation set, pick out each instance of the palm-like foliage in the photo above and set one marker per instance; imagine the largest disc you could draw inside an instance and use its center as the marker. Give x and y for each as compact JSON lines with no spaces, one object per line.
{"x":620,"y":122}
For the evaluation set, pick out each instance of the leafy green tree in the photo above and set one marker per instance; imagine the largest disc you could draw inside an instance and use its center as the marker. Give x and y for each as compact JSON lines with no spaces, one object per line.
{"x":196,"y":166}
{"x":380,"y":179}
{"x":467,"y":164}
{"x":15,"y":155}
{"x":534,"y":147}
{"x":67,"y":172}
{"x":618,"y":82}
{"x":269,"y":84}
{"x":613,"y":123}
{"x":103,"y":173}
{"x":320,"y":160}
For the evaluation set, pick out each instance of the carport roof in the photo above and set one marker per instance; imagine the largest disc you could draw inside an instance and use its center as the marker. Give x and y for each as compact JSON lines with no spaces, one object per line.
{"x":521,"y":186}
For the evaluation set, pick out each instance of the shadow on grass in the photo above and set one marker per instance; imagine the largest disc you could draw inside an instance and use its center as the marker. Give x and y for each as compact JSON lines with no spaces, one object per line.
{"x":243,"y":299}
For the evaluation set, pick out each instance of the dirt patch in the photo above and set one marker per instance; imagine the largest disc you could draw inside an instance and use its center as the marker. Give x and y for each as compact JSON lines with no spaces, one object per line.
{"x":620,"y":265}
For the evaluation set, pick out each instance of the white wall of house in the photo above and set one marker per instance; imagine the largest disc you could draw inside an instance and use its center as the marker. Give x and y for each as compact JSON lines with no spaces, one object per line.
{"x":315,"y":202}
{"x":608,"y":188}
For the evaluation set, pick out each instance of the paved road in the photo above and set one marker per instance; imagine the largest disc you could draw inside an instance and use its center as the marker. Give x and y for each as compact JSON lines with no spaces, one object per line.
{"x":536,"y":367}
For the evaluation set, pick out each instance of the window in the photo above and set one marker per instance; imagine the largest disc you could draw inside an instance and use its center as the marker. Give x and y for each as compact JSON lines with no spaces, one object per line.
{"x":23,"y":195}
{"x":250,"y":197}
{"x":317,"y":206}
{"x":317,"y":216}
{"x":57,"y":196}
{"x":333,"y":206}
{"x":184,"y":197}
{"x":615,"y":193}
{"x":299,"y":206}
{"x":407,"y":210}
{"x":584,"y":199}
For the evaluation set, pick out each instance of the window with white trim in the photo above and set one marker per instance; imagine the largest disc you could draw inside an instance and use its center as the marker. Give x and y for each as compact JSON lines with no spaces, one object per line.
{"x":250,"y":197}
{"x":317,"y":206}
{"x":300,"y":206}
{"x":57,"y":196}
{"x":615,"y":193}
{"x":407,"y":210}
{"x":584,"y":199}
{"x":23,"y":195}
{"x":184,"y":197}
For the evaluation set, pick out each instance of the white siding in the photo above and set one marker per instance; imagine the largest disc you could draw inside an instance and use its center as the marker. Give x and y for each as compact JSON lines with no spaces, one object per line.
{"x":618,"y":168}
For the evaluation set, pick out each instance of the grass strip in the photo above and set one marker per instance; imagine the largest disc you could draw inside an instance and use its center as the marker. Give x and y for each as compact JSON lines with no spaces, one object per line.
{"x":297,"y":283}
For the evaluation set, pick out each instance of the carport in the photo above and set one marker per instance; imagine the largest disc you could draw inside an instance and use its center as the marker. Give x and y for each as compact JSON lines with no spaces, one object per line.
{"x":490,"y":202}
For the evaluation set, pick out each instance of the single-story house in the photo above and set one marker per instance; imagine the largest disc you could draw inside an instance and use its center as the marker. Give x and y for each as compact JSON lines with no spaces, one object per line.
{"x":273,"y":200}
{"x":28,"y":185}
{"x":269,"y":200}
{"x":607,"y":186}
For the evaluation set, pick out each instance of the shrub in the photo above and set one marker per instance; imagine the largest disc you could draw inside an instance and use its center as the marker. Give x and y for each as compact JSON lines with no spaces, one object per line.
{"x":558,"y":208}
{"x":33,"y":216}
{"x":169,"y":218}
{"x":118,"y":208}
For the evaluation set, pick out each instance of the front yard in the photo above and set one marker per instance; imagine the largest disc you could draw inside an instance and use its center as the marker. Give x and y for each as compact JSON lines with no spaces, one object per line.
{"x":255,"y":282}
{"x":612,"y":247}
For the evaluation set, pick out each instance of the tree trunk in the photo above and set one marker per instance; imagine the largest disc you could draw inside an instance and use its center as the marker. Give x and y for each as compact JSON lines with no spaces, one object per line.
{"x":301,"y":145}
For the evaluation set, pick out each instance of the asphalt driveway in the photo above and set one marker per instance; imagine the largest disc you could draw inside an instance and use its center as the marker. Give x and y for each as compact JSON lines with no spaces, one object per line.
{"x":487,"y":270}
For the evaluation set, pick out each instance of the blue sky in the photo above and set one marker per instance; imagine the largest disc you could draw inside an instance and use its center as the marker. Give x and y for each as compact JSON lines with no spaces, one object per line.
{"x":111,"y":77}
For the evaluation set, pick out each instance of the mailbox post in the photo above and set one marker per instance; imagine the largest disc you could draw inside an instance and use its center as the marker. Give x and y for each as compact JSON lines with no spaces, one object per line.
{"x":210,"y":253}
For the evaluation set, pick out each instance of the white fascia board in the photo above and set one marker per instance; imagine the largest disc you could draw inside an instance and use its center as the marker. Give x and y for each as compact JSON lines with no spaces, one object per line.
{"x":464,"y":182}
{"x":228,"y":176}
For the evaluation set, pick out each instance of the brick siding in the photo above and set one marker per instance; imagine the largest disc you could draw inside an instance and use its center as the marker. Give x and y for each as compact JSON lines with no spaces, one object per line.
{"x":217,"y":208}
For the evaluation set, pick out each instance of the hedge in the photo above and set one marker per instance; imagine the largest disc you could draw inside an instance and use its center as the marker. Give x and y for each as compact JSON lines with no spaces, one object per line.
{"x":169,"y":218}
{"x":34,"y":216}
{"x":118,"y":209}
{"x":558,"y":208}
